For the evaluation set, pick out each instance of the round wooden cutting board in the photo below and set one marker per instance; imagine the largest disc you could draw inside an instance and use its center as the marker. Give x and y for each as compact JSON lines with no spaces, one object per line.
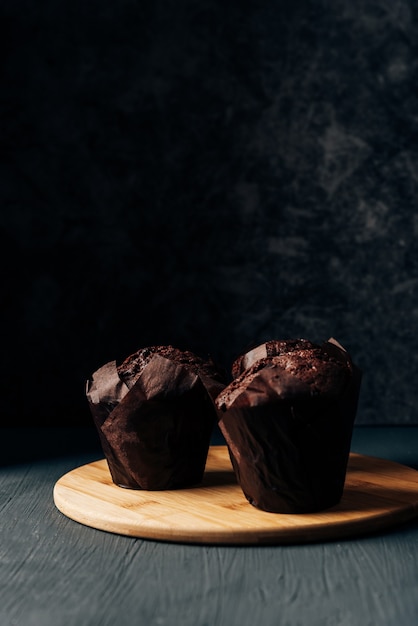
{"x":378,"y":494}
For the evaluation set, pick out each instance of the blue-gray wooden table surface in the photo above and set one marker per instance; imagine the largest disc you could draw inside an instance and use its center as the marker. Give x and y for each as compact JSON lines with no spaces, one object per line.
{"x":56,"y":572}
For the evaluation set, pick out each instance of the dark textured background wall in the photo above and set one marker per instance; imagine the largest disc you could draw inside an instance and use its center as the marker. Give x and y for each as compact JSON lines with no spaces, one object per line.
{"x":208,"y":174}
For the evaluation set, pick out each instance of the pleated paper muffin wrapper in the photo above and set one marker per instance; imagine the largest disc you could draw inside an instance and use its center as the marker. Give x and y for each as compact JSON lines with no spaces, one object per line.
{"x":289,"y":448}
{"x":156,"y":434}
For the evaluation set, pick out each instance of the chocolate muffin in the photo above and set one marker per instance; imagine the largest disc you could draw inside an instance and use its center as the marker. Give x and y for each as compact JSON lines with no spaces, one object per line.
{"x":287,"y":418}
{"x":155,"y":413}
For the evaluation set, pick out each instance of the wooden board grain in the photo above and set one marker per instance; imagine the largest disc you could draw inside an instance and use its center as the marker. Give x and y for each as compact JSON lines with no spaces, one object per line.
{"x":378,"y":494}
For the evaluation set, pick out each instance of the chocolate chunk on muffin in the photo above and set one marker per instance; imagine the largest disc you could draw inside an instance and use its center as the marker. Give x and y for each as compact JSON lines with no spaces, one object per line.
{"x":287,"y":418}
{"x":155,"y":413}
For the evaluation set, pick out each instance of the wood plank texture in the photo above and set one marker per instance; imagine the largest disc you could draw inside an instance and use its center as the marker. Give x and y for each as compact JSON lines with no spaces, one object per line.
{"x":54,"y":572}
{"x":378,"y":494}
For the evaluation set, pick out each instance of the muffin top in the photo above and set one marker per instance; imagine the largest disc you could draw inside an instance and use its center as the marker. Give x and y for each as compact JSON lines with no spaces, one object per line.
{"x":132,"y":367}
{"x":290,"y":368}
{"x":274,"y":347}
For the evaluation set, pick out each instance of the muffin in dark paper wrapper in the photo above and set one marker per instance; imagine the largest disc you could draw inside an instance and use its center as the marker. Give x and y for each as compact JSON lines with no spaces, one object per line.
{"x":287,"y":418}
{"x":155,"y":414}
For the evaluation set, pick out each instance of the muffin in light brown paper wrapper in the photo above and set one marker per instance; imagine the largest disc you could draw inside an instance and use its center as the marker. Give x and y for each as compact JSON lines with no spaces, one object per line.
{"x":287,"y":418}
{"x":155,"y":424}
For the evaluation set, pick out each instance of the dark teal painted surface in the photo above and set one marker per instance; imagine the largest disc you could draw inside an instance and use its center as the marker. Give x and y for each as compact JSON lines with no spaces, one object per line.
{"x":56,"y":572}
